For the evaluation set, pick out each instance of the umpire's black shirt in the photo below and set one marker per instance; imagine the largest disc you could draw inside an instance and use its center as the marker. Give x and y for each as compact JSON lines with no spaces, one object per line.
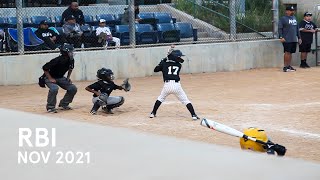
{"x":58,"y":66}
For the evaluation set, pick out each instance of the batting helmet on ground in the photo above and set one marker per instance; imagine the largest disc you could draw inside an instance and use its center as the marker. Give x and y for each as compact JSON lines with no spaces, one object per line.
{"x":257,"y":133}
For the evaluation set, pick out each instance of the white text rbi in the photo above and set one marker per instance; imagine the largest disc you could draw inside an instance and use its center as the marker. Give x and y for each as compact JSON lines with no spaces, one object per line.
{"x":40,"y":138}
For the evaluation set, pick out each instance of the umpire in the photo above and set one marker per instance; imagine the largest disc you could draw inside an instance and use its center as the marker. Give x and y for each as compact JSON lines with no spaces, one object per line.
{"x":54,"y":72}
{"x":289,"y":35}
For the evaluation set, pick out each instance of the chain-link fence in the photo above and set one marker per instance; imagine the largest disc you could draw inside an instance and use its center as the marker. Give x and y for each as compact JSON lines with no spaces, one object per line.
{"x":43,"y":25}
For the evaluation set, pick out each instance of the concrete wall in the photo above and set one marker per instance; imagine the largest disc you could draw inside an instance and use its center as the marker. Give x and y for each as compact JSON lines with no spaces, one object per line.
{"x":139,"y":62}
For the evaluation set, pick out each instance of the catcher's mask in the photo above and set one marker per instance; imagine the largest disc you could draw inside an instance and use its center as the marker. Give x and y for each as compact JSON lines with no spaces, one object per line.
{"x":175,"y":55}
{"x":105,"y":74}
{"x":67,"y":50}
{"x":251,"y":145}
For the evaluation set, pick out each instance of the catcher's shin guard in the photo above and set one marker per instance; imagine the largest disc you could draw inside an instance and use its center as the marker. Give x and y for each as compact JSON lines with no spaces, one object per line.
{"x":113,"y":102}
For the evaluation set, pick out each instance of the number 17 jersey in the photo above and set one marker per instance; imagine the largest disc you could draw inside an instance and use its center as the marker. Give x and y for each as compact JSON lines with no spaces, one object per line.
{"x":170,"y":69}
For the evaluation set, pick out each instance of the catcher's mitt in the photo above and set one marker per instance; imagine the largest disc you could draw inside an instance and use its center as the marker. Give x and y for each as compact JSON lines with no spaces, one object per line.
{"x":126,"y":85}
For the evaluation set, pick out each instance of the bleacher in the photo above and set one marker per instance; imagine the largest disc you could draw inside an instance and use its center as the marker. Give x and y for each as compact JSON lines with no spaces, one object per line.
{"x":158,"y":24}
{"x":154,"y":27}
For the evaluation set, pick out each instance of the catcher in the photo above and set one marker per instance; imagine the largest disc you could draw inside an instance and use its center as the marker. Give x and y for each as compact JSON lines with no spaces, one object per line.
{"x":102,"y":89}
{"x":263,"y":145}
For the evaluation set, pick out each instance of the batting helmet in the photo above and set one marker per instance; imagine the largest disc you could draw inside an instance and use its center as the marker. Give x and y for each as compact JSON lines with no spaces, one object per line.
{"x":105,"y":74}
{"x":257,"y":133}
{"x":175,"y":55}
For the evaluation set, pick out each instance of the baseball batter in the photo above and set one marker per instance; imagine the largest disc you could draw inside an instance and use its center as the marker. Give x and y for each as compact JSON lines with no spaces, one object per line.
{"x":170,"y":67}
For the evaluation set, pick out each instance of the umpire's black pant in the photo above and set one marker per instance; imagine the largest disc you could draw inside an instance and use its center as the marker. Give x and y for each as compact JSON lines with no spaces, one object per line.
{"x":53,"y":91}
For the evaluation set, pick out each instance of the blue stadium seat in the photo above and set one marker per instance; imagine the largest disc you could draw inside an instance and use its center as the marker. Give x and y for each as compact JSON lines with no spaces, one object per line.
{"x":3,"y":23}
{"x":148,"y":18}
{"x":35,"y":20}
{"x":57,"y":20}
{"x":12,"y":22}
{"x":111,"y":21}
{"x":167,"y":33}
{"x":163,"y":17}
{"x":146,"y":34}
{"x":88,"y":19}
{"x":186,"y":30}
{"x":146,"y":15}
{"x":122,"y":32}
{"x":31,"y":41}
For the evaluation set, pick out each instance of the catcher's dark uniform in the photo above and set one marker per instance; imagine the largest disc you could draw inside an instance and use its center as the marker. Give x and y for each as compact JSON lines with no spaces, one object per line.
{"x":104,"y":87}
{"x":170,"y":68}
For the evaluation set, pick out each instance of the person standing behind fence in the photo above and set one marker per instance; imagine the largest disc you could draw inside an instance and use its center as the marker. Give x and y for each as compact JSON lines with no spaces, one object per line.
{"x":307,"y":29}
{"x":73,"y":10}
{"x":288,"y":34}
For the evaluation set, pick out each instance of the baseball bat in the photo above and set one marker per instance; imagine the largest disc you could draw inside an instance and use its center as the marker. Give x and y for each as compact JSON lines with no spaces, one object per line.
{"x":271,"y":147}
{"x":227,"y":130}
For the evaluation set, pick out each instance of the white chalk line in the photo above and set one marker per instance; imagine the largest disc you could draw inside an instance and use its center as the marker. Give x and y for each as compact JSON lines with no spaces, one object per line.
{"x":301,"y":133}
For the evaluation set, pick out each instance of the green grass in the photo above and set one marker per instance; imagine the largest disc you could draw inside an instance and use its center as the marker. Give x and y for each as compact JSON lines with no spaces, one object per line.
{"x":258,"y":14}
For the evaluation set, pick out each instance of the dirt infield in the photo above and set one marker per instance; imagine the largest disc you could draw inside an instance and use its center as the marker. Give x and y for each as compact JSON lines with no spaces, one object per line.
{"x":286,"y":105}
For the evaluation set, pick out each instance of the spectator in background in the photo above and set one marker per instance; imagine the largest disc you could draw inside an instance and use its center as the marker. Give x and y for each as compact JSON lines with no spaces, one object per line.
{"x":73,"y":31}
{"x":104,"y":34}
{"x":125,"y":17}
{"x":307,"y":29}
{"x":74,"y":10}
{"x":289,"y":36}
{"x":49,"y":36}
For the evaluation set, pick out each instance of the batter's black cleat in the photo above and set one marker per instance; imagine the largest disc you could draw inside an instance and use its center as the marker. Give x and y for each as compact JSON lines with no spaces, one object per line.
{"x":52,"y":110}
{"x":195,"y":117}
{"x":152,"y":115}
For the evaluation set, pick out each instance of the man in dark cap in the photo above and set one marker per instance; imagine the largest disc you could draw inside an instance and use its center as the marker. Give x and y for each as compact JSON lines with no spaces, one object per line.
{"x":74,"y":10}
{"x":73,"y":31}
{"x":307,"y":29}
{"x":289,"y":36}
{"x":49,"y":36}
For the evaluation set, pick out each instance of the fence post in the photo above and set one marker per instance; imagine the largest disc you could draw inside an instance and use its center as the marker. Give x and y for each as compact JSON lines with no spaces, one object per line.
{"x":275,"y":20}
{"x":194,"y":9}
{"x":232,"y":14}
{"x":20,"y":26}
{"x":132,"y":28}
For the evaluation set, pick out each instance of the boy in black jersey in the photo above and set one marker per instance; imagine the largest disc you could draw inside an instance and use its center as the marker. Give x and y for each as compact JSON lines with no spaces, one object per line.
{"x":170,"y":67}
{"x":101,"y":92}
{"x":307,"y":28}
